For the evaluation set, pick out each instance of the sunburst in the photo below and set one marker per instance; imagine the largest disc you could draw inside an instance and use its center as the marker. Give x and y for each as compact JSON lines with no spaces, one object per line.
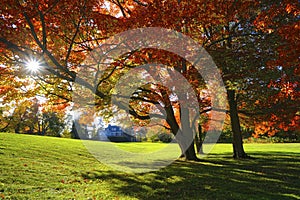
{"x":33,"y":65}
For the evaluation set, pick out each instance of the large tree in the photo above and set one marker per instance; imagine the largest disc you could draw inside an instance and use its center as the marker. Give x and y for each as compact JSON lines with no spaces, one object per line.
{"x":246,"y":40}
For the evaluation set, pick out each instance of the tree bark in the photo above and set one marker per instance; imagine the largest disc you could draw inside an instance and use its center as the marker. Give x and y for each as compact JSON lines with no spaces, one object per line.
{"x":237,"y":141}
{"x":187,"y":150}
{"x":74,"y":132}
{"x":17,"y":128}
{"x":190,"y":153}
{"x":198,"y":140}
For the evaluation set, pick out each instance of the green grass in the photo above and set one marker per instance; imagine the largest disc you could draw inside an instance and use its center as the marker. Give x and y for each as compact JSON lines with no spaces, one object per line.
{"x":35,"y":167}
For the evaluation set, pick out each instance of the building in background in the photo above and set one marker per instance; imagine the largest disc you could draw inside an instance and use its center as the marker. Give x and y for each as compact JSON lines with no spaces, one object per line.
{"x":115,"y":133}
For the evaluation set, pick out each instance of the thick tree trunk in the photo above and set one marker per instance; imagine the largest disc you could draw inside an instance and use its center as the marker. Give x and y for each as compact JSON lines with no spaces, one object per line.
{"x":238,"y":149}
{"x":183,"y":136}
{"x":187,"y":142}
{"x":190,"y":153}
{"x":187,"y":150}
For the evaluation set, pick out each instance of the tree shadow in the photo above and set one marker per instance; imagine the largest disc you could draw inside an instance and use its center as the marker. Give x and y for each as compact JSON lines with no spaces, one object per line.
{"x":270,"y":176}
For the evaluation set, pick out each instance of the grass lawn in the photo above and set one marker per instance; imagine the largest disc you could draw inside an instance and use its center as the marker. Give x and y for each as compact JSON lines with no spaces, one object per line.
{"x":34,"y":167}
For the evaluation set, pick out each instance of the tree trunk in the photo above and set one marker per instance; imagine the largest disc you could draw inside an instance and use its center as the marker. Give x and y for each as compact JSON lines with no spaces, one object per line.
{"x":190,"y":153}
{"x":198,"y":140}
{"x":183,"y":136}
{"x":39,"y":127}
{"x":187,"y":150}
{"x":74,"y":132}
{"x":238,"y":149}
{"x":17,"y":128}
{"x":187,"y":142}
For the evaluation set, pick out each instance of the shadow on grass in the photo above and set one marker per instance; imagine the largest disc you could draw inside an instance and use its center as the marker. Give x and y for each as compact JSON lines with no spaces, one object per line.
{"x":273,"y":175}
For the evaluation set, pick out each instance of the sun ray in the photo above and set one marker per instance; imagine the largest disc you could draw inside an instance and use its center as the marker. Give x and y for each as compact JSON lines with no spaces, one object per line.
{"x":33,"y":65}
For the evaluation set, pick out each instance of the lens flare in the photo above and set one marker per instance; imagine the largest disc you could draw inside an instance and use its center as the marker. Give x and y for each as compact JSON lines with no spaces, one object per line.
{"x":33,"y":65}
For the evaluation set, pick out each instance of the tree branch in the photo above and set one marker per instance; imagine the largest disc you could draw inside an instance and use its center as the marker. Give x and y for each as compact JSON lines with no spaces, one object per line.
{"x":74,"y":36}
{"x":140,"y":3}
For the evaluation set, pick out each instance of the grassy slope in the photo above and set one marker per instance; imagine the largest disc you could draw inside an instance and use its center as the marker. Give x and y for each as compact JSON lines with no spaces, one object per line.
{"x":34,"y":167}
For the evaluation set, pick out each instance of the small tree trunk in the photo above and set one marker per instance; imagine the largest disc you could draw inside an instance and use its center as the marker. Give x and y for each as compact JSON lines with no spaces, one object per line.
{"x":198,"y":140}
{"x":198,"y":143}
{"x":17,"y":128}
{"x":39,"y":128}
{"x":74,"y":132}
{"x":238,"y":149}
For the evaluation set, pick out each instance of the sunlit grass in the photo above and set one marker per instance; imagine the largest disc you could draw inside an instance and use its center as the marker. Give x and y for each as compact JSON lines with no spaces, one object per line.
{"x":35,"y":167}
